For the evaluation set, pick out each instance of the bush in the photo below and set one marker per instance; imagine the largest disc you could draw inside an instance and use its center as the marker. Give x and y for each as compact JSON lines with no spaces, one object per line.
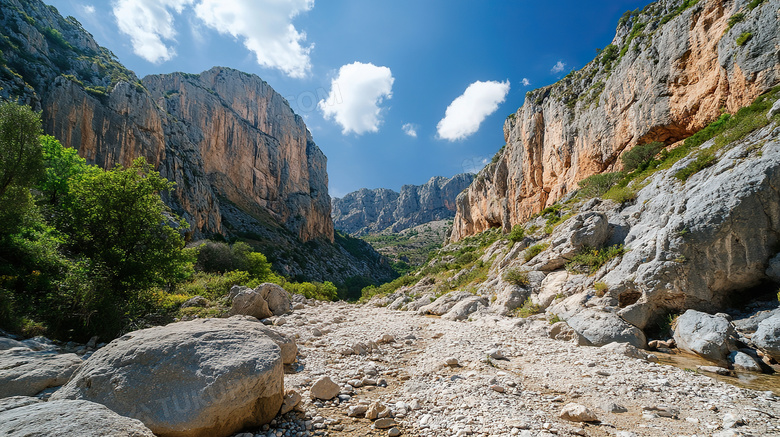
{"x":598,"y":184}
{"x":734,"y":19}
{"x":640,"y":155}
{"x":590,"y":260}
{"x":516,"y":277}
{"x":212,"y":286}
{"x":754,"y":4}
{"x":620,"y":194}
{"x":601,"y":288}
{"x":312,"y":290}
{"x":517,"y":234}
{"x":744,"y":38}
{"x":390,"y":287}
{"x":534,"y":250}
{"x":528,"y":309}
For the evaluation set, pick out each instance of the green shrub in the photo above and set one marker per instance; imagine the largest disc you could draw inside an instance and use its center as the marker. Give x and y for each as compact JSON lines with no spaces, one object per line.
{"x":555,"y":319}
{"x":601,"y":288}
{"x":312,"y":290}
{"x":702,"y":161}
{"x":534,"y":250}
{"x":590,"y":260}
{"x":516,"y":277}
{"x":734,"y":19}
{"x":621,"y":194}
{"x":528,"y":309}
{"x":744,"y":38}
{"x":598,"y":184}
{"x":640,"y":155}
{"x":517,"y":234}
{"x":390,"y":287}
{"x":212,"y":286}
{"x":754,"y":4}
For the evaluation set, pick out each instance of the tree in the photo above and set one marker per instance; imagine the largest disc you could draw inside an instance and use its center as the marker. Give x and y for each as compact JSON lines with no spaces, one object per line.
{"x":117,"y":220}
{"x":20,"y":163}
{"x":61,"y":164}
{"x":641,"y":155}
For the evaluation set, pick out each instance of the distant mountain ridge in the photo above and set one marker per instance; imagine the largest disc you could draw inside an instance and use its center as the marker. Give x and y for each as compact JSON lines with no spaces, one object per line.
{"x":371,"y":211}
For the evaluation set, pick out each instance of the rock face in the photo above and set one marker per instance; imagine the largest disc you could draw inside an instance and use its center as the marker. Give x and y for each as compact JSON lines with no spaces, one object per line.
{"x":225,"y":137}
{"x":370,"y":211}
{"x":68,"y":418}
{"x":210,"y":377}
{"x":24,"y":372}
{"x":667,"y":83}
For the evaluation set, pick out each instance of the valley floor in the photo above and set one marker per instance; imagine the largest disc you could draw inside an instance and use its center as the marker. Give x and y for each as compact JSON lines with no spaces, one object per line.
{"x":522,"y":394}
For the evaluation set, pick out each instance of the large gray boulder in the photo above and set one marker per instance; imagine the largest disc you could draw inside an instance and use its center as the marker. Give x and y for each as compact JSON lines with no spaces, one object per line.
{"x":24,"y":372}
{"x":444,"y":303}
{"x":12,"y":402}
{"x":710,"y":337}
{"x":602,"y":327}
{"x":201,"y":378}
{"x":68,"y":418}
{"x":767,"y":336}
{"x":463,"y":309}
{"x":286,"y":343}
{"x":277,"y":298}
{"x":250,"y":303}
{"x":9,"y":343}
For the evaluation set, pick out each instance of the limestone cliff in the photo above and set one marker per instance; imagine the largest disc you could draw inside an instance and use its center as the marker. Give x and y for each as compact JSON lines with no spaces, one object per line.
{"x":370,"y":211}
{"x":671,"y":69}
{"x":222,"y":136}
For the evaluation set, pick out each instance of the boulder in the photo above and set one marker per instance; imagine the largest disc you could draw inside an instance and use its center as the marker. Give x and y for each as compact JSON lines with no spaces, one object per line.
{"x":563,"y":332}
{"x":742,"y":361}
{"x":196,"y":301}
{"x":550,"y":288}
{"x":710,"y":337}
{"x":285,"y":342}
{"x":9,"y":343}
{"x":602,"y":327}
{"x":577,"y":413}
{"x":291,"y":400}
{"x":250,"y":303}
{"x":69,"y":418}
{"x":324,"y":389}
{"x":445,"y":303}
{"x":17,"y":401}
{"x":24,"y":372}
{"x":465,"y":307}
{"x":629,"y":351}
{"x":421,"y":302}
{"x":767,"y":336}
{"x":774,"y":110}
{"x":277,"y":298}
{"x":209,"y":377}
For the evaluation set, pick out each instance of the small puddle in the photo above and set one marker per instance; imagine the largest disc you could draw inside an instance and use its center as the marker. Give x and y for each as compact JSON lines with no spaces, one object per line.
{"x":749,"y":380}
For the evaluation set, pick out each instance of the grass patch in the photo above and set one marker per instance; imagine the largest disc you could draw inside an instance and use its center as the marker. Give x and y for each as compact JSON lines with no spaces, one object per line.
{"x":744,"y":38}
{"x":734,"y":19}
{"x":388,"y":288}
{"x":599,"y":184}
{"x":555,"y":319}
{"x":516,"y":277}
{"x":590,"y":260}
{"x":754,"y":4}
{"x":701,"y":162}
{"x":534,"y":250}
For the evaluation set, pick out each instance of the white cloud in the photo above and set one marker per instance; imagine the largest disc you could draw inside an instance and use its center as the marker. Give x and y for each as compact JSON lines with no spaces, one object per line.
{"x":88,"y":9}
{"x":264,"y":26}
{"x":410,"y":129}
{"x":526,"y":82}
{"x":266,"y":29}
{"x":148,"y":23}
{"x":356,"y":95}
{"x":557,"y":68}
{"x":467,"y":112}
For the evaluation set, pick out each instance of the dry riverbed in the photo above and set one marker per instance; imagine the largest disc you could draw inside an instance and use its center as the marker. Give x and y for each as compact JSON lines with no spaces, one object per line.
{"x":393,"y":363}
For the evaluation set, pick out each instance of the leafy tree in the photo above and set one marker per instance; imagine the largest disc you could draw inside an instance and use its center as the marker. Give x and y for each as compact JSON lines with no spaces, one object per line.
{"x":20,"y":162}
{"x":641,"y":155}
{"x":117,"y":220}
{"x":61,"y":163}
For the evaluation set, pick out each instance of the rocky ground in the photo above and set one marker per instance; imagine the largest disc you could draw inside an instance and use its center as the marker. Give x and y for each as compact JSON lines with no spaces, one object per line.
{"x":510,"y":379}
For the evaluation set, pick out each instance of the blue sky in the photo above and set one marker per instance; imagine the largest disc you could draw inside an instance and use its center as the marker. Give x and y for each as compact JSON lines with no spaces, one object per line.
{"x":397,"y":65}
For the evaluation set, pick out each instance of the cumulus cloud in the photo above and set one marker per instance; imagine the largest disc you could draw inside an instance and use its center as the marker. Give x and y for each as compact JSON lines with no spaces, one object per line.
{"x":356,"y":95}
{"x":148,"y":23}
{"x":558,"y":67}
{"x":468,"y":111}
{"x":264,"y":26}
{"x":526,"y":82}
{"x":410,"y":129}
{"x":88,"y":9}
